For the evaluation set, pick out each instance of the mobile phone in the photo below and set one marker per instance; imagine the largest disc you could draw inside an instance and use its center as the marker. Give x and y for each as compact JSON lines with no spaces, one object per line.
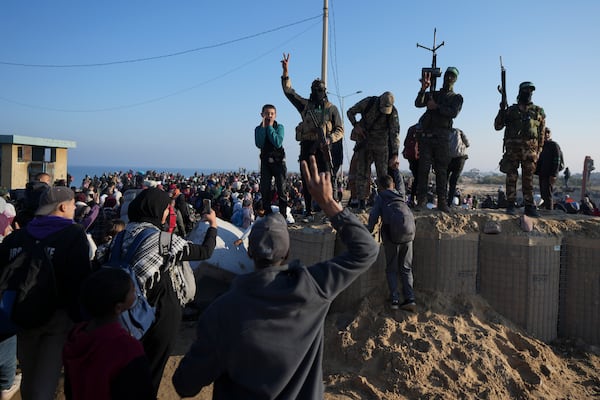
{"x":206,"y":206}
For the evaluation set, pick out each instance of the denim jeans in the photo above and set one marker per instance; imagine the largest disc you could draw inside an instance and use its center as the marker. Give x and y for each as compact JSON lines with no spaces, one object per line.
{"x":8,"y":361}
{"x":398,"y":259}
{"x":40,"y":356}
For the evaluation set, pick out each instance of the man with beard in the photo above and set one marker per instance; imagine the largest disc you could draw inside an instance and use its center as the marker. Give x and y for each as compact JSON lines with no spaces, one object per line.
{"x":525,"y":124}
{"x":442,"y":107}
{"x":317,"y":114}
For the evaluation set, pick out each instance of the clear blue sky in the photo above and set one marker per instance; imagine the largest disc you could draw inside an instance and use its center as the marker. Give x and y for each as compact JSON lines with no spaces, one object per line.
{"x":199,"y":109}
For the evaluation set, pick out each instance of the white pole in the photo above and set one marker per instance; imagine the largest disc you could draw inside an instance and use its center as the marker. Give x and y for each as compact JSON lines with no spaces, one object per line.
{"x":324,"y":52}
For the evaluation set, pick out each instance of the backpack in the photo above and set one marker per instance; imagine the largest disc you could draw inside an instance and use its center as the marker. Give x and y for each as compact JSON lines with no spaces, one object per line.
{"x":238,"y":217}
{"x":138,"y":319}
{"x":411,"y":144}
{"x":398,"y":221}
{"x":28,"y":292}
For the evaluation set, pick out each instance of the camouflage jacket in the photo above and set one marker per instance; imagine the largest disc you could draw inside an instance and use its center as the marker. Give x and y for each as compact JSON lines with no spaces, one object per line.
{"x":328,"y":117}
{"x":522,"y":125}
{"x":382,"y":130}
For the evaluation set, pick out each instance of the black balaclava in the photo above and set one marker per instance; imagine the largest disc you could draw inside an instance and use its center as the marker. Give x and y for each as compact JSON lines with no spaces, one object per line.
{"x":449,"y":80}
{"x":149,"y":206}
{"x":524,"y":96}
{"x":318,"y":92}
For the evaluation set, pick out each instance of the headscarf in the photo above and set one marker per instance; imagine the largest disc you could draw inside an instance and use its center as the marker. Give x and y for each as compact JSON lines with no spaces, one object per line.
{"x":149,"y":206}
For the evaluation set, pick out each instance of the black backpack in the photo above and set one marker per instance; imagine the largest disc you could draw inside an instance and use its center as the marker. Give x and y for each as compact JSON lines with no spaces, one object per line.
{"x":398,"y":221}
{"x":28,"y":292}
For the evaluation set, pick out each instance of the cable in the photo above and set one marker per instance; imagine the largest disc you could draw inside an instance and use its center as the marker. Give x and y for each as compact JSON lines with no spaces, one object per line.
{"x":153,"y":100}
{"x":179,"y":53}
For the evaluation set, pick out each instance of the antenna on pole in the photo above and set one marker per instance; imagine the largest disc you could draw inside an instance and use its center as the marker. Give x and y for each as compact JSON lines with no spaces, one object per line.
{"x":434,"y":70}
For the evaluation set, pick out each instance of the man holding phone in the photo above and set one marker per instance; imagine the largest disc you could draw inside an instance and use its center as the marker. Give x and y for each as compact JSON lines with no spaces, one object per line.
{"x":268,"y":137}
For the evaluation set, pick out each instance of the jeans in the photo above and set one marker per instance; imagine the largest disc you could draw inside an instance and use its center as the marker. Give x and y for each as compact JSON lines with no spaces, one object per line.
{"x":8,"y":361}
{"x":40,"y":353}
{"x":398,"y":259}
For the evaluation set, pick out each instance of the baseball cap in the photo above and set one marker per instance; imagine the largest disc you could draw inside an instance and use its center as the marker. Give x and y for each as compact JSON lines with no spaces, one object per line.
{"x":53,"y":196}
{"x":269,"y":238}
{"x":526,"y":85}
{"x":386,"y":103}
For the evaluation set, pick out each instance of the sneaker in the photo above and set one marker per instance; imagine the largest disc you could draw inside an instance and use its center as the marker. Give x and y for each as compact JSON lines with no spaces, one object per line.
{"x":409,"y":305}
{"x":511,"y":210}
{"x":7,"y":394}
{"x":395,"y":304}
{"x":531,"y":211}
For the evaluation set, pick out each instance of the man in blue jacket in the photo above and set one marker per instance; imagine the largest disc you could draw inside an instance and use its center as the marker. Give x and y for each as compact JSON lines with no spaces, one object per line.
{"x":263,"y":339}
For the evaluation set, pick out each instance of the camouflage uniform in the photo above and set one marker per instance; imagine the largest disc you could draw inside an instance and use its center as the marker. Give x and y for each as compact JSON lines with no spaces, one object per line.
{"x":381,"y":142}
{"x":433,"y":141}
{"x":523,"y":141}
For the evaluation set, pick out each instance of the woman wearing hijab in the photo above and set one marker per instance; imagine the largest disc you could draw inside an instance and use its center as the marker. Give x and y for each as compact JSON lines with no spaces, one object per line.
{"x":162,"y":281}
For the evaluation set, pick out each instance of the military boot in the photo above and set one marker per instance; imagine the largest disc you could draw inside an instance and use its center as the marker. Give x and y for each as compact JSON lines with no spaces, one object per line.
{"x":531,"y":211}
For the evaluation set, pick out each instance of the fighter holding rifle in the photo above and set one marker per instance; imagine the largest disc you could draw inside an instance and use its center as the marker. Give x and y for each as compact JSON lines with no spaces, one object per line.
{"x":321,"y":126}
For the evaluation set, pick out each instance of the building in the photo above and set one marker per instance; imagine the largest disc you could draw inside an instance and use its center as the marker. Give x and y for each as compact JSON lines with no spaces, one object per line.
{"x":22,"y":157}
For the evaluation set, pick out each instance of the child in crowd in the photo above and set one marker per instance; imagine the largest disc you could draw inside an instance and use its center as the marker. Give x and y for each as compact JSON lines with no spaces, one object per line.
{"x":101,"y":359}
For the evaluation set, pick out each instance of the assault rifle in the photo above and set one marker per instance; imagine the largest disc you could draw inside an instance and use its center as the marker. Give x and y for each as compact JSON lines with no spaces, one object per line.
{"x":502,"y":86}
{"x":325,"y":150}
{"x":434,"y":70}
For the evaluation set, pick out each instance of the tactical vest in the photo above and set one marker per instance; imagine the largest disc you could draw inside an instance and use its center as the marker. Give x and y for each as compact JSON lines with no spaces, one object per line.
{"x":523,"y":125}
{"x":322,"y":116}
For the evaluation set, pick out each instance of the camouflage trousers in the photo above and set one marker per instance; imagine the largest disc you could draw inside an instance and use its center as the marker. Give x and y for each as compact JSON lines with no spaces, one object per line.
{"x":433,"y":152}
{"x":522,"y":154}
{"x":366,"y":156}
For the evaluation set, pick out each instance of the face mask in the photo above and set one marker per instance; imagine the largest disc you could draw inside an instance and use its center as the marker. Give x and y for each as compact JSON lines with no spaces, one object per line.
{"x":318,"y":92}
{"x":449,"y":80}
{"x":524,"y":97}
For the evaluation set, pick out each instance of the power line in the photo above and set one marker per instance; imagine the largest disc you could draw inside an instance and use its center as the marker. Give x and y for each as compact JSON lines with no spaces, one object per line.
{"x":155,"y":99}
{"x":179,"y":53}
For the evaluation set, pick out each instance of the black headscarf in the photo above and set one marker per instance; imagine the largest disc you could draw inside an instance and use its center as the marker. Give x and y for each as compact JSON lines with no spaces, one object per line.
{"x":149,"y":206}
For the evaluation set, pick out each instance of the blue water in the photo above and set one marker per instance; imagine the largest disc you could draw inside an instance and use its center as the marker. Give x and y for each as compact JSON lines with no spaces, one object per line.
{"x":80,"y":171}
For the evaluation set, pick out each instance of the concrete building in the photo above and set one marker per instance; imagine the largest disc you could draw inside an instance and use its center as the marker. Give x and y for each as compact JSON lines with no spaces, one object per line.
{"x":22,"y":157}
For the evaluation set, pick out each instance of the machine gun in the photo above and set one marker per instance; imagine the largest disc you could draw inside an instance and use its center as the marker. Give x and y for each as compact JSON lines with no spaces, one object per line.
{"x":433,"y":70}
{"x":502,"y":86}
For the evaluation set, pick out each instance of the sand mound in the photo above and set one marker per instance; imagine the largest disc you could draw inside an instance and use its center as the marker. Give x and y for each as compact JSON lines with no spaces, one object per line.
{"x":452,"y":347}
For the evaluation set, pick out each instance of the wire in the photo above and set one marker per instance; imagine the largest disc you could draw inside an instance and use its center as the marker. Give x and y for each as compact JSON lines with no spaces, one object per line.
{"x":179,"y":53}
{"x":178,"y":92}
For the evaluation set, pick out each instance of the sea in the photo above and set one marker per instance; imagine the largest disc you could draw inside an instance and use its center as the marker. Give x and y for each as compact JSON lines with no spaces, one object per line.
{"x":78,"y":172}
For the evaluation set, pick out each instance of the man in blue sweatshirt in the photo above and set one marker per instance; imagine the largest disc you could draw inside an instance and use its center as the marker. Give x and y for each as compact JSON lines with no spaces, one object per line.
{"x":263,"y":339}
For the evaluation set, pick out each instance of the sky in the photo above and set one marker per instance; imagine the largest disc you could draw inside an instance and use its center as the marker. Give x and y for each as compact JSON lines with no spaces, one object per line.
{"x":180,"y":84}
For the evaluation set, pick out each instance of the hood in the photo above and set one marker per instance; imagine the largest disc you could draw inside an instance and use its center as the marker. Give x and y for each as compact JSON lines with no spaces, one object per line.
{"x":390,"y":194}
{"x":83,"y":347}
{"x":43,"y":226}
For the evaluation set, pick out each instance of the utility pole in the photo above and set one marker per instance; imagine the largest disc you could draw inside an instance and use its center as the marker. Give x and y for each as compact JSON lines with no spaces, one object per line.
{"x":325,"y":38}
